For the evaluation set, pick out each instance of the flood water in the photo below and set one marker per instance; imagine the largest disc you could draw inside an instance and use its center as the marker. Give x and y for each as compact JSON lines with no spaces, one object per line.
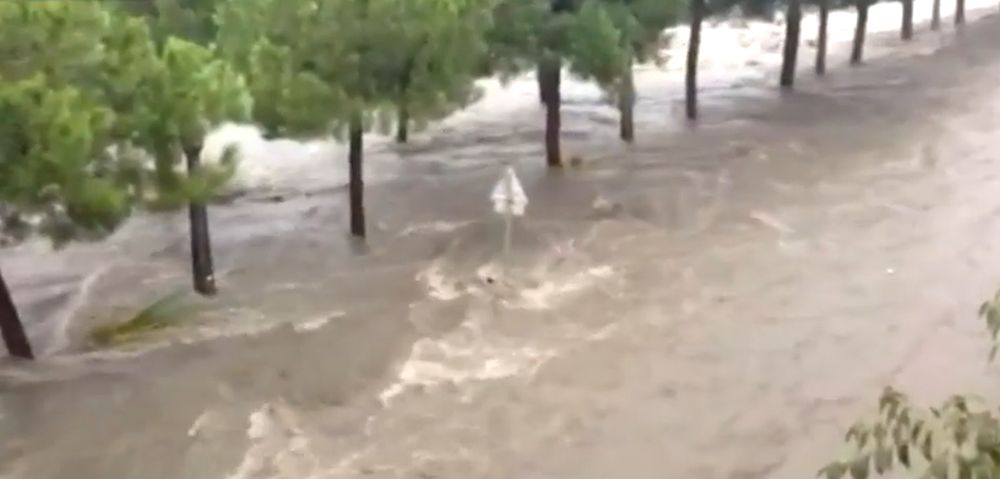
{"x":717,"y":301}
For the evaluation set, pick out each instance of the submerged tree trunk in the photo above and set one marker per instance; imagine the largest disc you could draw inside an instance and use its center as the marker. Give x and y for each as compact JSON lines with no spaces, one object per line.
{"x":11,"y":327}
{"x":906,"y":31}
{"x":936,"y":15}
{"x":403,"y":124}
{"x":626,"y":104}
{"x":959,"y":12}
{"x":551,"y":79}
{"x":694,"y":45}
{"x":857,"y":50}
{"x":201,"y":245}
{"x":540,"y":77}
{"x":357,"y":185}
{"x":793,"y":23}
{"x":821,"y":40}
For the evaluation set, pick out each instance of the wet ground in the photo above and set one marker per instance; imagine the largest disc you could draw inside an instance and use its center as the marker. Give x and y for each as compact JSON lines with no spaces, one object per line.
{"x":716,"y":302}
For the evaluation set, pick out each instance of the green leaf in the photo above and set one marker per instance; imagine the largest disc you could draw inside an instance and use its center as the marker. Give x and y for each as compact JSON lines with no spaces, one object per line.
{"x":964,"y":470}
{"x":835,"y":470}
{"x":927,"y":447}
{"x":939,"y":468}
{"x":903,"y":453}
{"x":860,"y":467}
{"x":883,"y":459}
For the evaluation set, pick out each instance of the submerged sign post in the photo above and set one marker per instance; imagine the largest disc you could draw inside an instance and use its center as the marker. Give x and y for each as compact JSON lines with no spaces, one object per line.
{"x":508,"y":200}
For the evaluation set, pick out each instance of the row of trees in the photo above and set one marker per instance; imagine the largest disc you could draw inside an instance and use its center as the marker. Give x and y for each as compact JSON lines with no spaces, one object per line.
{"x":104,"y":104}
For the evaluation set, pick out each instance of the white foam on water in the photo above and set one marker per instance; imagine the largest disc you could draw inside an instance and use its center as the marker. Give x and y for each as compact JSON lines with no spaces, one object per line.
{"x":461,"y":357}
{"x":471,"y":352}
{"x":434,"y":227}
{"x":547,"y":294}
{"x":278,"y":445}
{"x":438,"y":287}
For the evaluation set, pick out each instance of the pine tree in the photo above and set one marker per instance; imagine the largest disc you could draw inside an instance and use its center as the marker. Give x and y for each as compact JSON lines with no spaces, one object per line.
{"x":82,"y":89}
{"x":639,"y":24}
{"x":183,"y":90}
{"x":330,"y":66}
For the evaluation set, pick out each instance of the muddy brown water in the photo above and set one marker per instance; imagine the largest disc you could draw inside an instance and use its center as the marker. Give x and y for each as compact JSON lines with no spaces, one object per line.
{"x":716,"y":302}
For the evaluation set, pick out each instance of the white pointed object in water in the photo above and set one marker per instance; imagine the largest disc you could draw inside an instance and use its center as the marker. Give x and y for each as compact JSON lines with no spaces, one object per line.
{"x":508,"y":195}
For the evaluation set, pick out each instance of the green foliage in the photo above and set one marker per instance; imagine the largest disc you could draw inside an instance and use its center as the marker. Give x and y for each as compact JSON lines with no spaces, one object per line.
{"x":159,"y":315}
{"x":61,"y":39}
{"x":85,"y":97}
{"x":312,"y":64}
{"x":990,"y":313}
{"x":597,"y":47}
{"x":188,"y":19}
{"x":958,"y":440}
{"x":53,"y":161}
{"x":597,"y":39}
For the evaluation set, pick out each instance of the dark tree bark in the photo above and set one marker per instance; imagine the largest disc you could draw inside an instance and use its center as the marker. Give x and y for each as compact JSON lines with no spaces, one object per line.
{"x":906,"y":31}
{"x":793,"y":24}
{"x":551,"y":79}
{"x":201,"y":245}
{"x":357,"y":184}
{"x":858,"y":48}
{"x":936,"y":15}
{"x":959,"y":13}
{"x":403,"y":125}
{"x":694,"y":45}
{"x":626,"y":104}
{"x":821,"y":40}
{"x":11,"y":328}
{"x":540,"y":77}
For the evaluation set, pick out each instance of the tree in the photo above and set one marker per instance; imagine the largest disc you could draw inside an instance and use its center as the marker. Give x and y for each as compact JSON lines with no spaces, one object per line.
{"x":57,"y":177}
{"x":188,"y":19}
{"x":821,"y":37}
{"x":527,"y":35}
{"x":960,"y":438}
{"x":326,"y":66}
{"x":906,"y":31}
{"x":793,"y":23}
{"x":192,"y":92}
{"x":639,"y":24}
{"x":858,"y":46}
{"x":694,"y":45}
{"x":596,"y":39}
{"x":936,"y":15}
{"x":959,"y":13}
{"x":186,"y":91}
{"x":437,"y":75}
{"x":59,"y":174}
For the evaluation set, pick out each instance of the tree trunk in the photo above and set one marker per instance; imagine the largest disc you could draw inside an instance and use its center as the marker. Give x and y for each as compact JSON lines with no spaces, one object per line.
{"x":959,"y":13}
{"x":201,"y":245}
{"x":936,"y":15}
{"x":858,"y":48}
{"x":357,"y":184}
{"x":11,"y":328}
{"x":551,"y":79}
{"x":626,"y":104}
{"x":694,"y":45}
{"x":906,"y":32}
{"x":821,"y":41}
{"x":403,"y":124}
{"x":793,"y":23}
{"x":540,"y":77}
